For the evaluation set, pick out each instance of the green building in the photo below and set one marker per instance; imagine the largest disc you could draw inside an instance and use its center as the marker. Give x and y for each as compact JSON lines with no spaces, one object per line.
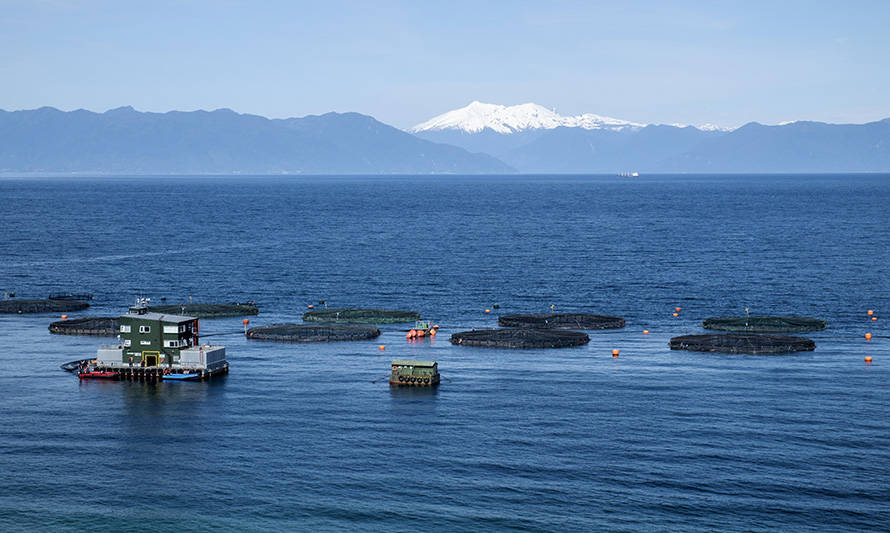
{"x":155,"y":340}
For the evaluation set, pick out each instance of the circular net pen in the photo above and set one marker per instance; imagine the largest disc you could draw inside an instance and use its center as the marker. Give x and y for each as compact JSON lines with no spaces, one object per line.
{"x":312,"y":333}
{"x":97,"y":325}
{"x":206,"y":310}
{"x":520,"y":338}
{"x":561,"y":321}
{"x":361,"y":316}
{"x":765,"y":324}
{"x":41,"y":306}
{"x":739,"y":343}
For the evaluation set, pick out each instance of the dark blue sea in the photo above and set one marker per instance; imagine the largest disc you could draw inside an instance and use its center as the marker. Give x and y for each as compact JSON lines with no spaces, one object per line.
{"x":300,"y":437}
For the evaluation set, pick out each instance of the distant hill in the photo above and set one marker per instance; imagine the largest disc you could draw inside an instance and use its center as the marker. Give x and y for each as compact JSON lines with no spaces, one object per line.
{"x":124,"y":140}
{"x":532,"y":139}
{"x":795,"y":147}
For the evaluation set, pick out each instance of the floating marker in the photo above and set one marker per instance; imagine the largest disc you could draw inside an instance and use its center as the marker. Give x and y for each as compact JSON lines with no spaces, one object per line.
{"x":645,"y":332}
{"x":868,"y":359}
{"x":310,"y":306}
{"x":382,"y":347}
{"x":868,"y":336}
{"x":874,"y":318}
{"x":871,"y":312}
{"x":64,"y":317}
{"x":488,"y":310}
{"x":677,"y":309}
{"x":615,"y":352}
{"x":676,"y":314}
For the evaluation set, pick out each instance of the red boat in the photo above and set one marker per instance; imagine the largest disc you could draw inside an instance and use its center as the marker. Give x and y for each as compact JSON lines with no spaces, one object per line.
{"x":95,"y":374}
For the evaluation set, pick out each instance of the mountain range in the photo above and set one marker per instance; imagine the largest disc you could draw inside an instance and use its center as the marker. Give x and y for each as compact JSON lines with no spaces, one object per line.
{"x":477,"y":139}
{"x":534,"y":139}
{"x":124,"y":140}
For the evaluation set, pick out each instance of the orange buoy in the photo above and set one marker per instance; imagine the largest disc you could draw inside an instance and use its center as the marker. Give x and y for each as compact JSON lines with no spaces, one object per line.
{"x":421,"y":333}
{"x":488,"y":310}
{"x":645,"y":332}
{"x":436,"y":326}
{"x":310,"y":306}
{"x":868,"y":359}
{"x":874,"y":318}
{"x":676,"y":314}
{"x":245,"y":322}
{"x":382,"y":347}
{"x":615,"y":352}
{"x":871,"y":312}
{"x":64,"y":317}
{"x":677,"y":309}
{"x":868,"y":336}
{"x":433,"y":332}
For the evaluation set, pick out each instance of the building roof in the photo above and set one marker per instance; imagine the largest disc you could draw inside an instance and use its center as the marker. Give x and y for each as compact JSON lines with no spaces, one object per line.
{"x":411,"y":362}
{"x":178,"y":319}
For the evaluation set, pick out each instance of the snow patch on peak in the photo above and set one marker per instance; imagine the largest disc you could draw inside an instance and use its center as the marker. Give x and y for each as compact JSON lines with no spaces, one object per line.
{"x":478,"y":116}
{"x":714,"y":127}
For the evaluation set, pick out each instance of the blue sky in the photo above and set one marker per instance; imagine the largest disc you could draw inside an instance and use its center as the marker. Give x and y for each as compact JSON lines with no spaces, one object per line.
{"x":403,"y":62}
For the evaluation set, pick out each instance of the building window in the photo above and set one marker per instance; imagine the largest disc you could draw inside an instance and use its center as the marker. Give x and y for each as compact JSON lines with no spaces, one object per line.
{"x":144,"y":329}
{"x":127,"y":342}
{"x":145,"y":343}
{"x":182,"y":328}
{"x":125,"y":328}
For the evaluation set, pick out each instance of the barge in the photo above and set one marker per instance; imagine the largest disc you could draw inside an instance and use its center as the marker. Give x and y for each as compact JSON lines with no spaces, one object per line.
{"x":159,"y":346}
{"x":414,"y":373}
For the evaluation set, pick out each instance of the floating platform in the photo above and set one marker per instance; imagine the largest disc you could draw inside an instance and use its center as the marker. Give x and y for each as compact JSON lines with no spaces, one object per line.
{"x":520,"y":338}
{"x":207,"y":310}
{"x":361,"y":316}
{"x":312,"y":333}
{"x":561,"y":321}
{"x":765,"y":324}
{"x":96,"y":325}
{"x":41,"y":306}
{"x":75,"y":296}
{"x":741,"y":343}
{"x":411,"y":373}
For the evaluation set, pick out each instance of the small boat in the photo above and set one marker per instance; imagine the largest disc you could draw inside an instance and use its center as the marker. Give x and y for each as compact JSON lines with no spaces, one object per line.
{"x":182,"y":377}
{"x":98,"y":374}
{"x":73,"y":366}
{"x":422,"y":328}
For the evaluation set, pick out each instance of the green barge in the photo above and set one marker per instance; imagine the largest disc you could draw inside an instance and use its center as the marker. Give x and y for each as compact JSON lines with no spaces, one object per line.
{"x":414,"y":373}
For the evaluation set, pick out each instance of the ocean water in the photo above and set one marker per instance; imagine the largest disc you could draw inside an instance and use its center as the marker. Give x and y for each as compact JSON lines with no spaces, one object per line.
{"x":305,"y":437}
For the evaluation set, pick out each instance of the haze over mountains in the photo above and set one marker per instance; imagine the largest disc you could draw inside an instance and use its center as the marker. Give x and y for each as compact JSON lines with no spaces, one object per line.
{"x":531,"y":138}
{"x":477,"y":139}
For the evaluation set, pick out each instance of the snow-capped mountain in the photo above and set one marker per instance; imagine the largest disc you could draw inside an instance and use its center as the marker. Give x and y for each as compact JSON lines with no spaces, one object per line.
{"x":478,"y":116}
